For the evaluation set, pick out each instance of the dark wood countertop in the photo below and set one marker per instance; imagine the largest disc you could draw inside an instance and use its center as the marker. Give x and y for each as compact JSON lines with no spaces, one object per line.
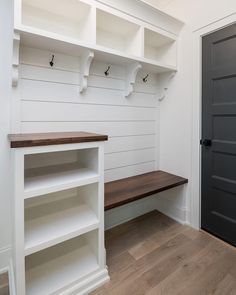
{"x":53,"y":138}
{"x":123,"y":191}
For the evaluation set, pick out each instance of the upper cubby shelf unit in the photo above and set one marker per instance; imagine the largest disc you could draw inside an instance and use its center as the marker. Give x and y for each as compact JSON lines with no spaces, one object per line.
{"x":113,"y":35}
{"x":72,"y":18}
{"x":118,"y":34}
{"x":160,"y":48}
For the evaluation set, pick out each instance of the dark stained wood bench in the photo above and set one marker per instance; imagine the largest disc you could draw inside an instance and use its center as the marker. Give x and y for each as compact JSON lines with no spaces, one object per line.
{"x":133,"y":188}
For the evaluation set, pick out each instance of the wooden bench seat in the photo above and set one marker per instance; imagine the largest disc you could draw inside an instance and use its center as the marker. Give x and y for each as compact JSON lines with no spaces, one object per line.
{"x":130,"y":189}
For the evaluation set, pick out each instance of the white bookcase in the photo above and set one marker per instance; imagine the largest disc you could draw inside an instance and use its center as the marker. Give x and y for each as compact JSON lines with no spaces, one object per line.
{"x":59,"y":218}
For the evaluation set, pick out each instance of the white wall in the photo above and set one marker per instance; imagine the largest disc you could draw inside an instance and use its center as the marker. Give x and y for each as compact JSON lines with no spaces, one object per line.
{"x":6,"y":26}
{"x":176,"y":110}
{"x":49,"y":100}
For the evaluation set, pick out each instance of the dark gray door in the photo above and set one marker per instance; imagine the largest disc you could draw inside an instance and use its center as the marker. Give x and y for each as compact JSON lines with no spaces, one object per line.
{"x":219,"y":134}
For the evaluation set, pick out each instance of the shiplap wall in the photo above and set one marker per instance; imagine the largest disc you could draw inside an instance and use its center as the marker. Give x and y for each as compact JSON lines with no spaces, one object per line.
{"x":49,"y":100}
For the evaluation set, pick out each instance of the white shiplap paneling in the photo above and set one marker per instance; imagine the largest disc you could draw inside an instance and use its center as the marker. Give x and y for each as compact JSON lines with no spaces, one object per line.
{"x":50,"y":101}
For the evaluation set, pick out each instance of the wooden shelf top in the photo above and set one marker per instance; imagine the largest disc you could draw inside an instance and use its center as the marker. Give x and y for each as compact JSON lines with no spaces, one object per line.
{"x":52,"y":138}
{"x":130,"y":189}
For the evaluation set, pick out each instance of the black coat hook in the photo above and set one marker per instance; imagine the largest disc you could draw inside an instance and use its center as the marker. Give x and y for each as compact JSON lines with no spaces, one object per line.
{"x":145,"y":78}
{"x":51,"y":62}
{"x":107,"y":71}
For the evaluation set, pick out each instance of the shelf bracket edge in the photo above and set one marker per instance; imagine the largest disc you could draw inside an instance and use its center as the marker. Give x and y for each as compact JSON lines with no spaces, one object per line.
{"x":132,"y":72}
{"x":15,"y":59}
{"x":166,"y":85}
{"x":85,"y":63}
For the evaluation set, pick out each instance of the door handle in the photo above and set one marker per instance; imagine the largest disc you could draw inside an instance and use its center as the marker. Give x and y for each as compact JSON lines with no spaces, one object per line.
{"x":205,"y":142}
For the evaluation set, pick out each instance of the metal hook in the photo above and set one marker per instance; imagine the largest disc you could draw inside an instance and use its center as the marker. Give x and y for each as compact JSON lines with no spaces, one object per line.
{"x":107,"y":71}
{"x":145,"y":78}
{"x":51,"y":62}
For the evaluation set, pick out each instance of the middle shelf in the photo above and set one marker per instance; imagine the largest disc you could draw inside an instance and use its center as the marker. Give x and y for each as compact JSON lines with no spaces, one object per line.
{"x":51,"y":172}
{"x":56,"y":217}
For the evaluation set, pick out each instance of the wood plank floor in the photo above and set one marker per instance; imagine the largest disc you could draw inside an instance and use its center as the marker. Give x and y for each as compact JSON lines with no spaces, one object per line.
{"x":155,"y":255}
{"x":4,"y":284}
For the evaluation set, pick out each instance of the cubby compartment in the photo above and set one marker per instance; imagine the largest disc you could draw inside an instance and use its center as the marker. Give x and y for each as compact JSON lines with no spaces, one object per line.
{"x":63,"y":265}
{"x":160,"y":48}
{"x":119,"y":34}
{"x":56,"y":217}
{"x":70,"y":18}
{"x":55,"y":171}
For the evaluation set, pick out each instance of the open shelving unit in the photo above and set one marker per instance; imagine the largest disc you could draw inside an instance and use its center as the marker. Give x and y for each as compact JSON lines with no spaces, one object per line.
{"x":59,"y":213}
{"x":92,"y":30}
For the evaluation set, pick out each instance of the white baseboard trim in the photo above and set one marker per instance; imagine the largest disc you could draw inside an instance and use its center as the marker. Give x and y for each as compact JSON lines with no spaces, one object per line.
{"x":6,"y":265}
{"x":12,"y":285}
{"x":86,"y":286}
{"x":166,"y":207}
{"x":5,"y":257}
{"x":119,"y":215}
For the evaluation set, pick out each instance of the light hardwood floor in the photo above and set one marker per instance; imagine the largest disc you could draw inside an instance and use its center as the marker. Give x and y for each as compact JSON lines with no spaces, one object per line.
{"x":4,"y":285}
{"x":155,"y":255}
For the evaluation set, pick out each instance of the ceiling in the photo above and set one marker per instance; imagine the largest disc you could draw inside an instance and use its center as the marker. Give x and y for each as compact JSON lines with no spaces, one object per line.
{"x":160,"y":4}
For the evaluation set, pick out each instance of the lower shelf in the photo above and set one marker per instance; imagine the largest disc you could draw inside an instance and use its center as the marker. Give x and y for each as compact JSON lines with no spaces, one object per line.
{"x":60,"y":266}
{"x":58,"y":226}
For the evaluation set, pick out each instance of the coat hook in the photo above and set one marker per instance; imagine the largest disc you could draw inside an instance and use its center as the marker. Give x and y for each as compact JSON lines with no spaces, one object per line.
{"x":107,"y":71}
{"x":145,"y":78}
{"x":52,"y":61}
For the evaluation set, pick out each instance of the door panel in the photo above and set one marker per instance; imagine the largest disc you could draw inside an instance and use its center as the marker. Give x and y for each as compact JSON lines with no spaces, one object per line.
{"x":219,"y":125}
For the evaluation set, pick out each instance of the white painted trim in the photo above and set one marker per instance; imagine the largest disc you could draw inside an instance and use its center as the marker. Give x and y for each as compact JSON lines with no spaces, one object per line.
{"x":85,"y":63}
{"x":165,"y":87}
{"x":132,"y":71}
{"x":6,"y":265}
{"x":5,"y":256}
{"x":176,"y":213}
{"x":12,"y":286}
{"x":15,"y":59}
{"x":195,"y":187}
{"x":89,"y":284}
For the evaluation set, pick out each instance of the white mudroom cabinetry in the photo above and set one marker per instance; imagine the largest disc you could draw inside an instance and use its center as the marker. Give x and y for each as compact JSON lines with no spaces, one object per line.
{"x":59,"y":213}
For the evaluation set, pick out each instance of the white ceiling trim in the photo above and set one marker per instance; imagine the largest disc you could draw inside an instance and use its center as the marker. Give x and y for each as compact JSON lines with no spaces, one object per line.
{"x":160,"y":4}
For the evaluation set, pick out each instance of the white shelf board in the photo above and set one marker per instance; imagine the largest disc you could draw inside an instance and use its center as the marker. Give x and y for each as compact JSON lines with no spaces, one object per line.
{"x":48,"y":41}
{"x":58,"y":227}
{"x":53,"y":180}
{"x":63,"y":270}
{"x":117,"y":57}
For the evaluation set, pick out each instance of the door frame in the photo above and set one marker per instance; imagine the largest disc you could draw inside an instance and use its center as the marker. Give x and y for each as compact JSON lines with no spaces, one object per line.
{"x":195,"y":189}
